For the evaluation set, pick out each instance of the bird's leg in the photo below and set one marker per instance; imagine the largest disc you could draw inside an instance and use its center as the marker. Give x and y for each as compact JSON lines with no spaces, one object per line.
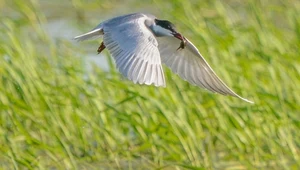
{"x":101,"y":48}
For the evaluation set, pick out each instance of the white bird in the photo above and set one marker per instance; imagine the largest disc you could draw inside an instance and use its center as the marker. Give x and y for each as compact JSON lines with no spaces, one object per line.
{"x":139,"y":43}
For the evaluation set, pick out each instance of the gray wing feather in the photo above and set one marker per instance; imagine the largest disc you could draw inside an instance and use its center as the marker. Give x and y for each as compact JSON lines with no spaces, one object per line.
{"x":95,"y":33}
{"x":134,"y":49}
{"x":190,"y":65}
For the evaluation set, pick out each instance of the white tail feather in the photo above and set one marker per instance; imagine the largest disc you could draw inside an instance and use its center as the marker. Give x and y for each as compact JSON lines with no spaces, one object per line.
{"x":96,"y":33}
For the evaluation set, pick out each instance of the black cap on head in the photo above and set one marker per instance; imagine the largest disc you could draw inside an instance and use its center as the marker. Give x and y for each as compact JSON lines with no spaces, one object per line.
{"x":165,"y":24}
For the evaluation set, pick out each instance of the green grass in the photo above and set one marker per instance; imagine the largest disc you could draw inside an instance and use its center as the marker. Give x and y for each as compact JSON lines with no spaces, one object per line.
{"x":54,"y":114}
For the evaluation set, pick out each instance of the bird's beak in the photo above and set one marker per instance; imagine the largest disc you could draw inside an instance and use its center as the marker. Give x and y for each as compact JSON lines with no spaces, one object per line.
{"x":178,"y":36}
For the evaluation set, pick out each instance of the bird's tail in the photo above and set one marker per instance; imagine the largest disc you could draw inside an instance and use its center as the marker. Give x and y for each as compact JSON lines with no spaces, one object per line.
{"x":95,"y":33}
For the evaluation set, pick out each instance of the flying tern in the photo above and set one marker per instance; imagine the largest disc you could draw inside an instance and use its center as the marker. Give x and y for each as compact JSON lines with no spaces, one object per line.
{"x":140,"y":43}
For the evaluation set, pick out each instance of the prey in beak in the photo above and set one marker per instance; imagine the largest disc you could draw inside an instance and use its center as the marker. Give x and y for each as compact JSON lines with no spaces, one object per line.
{"x":166,"y":28}
{"x":182,"y":38}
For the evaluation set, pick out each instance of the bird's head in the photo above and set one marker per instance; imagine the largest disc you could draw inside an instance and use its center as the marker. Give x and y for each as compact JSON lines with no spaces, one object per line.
{"x":165,"y":28}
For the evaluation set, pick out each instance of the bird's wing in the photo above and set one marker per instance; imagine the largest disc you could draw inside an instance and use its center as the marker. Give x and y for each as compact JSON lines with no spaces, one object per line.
{"x":190,"y":65}
{"x":97,"y":32}
{"x":135,"y":50}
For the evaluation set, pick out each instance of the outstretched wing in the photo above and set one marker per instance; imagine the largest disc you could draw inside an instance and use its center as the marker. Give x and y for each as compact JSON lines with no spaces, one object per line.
{"x":190,"y":65}
{"x":97,"y":32}
{"x":135,"y":49}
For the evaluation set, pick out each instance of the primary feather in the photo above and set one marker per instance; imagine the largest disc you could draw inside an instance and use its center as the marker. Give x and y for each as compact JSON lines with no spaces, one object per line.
{"x":95,"y":33}
{"x":191,"y":66}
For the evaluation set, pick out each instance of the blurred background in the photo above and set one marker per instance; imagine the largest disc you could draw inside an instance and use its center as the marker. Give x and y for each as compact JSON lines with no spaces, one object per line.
{"x":62,"y":106}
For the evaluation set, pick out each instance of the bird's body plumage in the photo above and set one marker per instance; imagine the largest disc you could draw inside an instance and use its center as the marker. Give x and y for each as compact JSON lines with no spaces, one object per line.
{"x":139,"y":43}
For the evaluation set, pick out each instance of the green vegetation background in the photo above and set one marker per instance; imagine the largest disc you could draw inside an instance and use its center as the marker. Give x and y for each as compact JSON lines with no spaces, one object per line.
{"x":55,"y":114}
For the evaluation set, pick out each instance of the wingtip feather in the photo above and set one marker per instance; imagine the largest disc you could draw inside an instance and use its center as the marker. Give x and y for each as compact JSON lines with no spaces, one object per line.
{"x":246,"y":100}
{"x":89,"y":35}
